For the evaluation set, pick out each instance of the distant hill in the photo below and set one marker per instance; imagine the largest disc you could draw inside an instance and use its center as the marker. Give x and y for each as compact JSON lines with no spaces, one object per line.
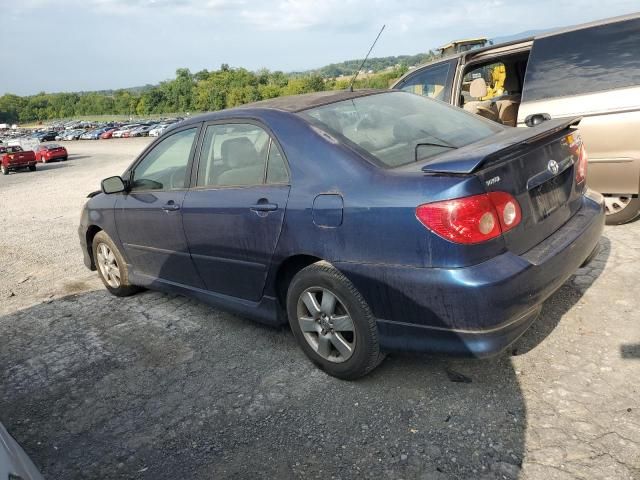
{"x":376,"y":64}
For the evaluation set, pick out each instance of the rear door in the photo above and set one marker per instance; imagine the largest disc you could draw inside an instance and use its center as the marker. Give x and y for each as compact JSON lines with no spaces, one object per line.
{"x":234,"y":214}
{"x":149,"y":217}
{"x":593,"y":72}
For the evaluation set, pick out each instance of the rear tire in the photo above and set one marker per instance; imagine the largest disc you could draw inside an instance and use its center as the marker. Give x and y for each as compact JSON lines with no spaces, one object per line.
{"x":621,"y":209}
{"x":32,"y":168}
{"x":112,"y":267}
{"x":340,"y":334}
{"x":4,"y":170}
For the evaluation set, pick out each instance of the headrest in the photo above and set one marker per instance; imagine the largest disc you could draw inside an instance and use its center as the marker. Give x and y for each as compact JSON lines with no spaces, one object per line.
{"x":511,"y":83}
{"x":478,"y":88}
{"x":238,"y":152}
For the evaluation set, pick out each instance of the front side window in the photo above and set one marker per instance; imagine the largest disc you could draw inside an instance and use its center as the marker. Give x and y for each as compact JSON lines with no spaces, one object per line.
{"x":239,"y":154}
{"x":397,"y":128}
{"x":584,"y":61}
{"x":165,"y":167}
{"x":433,"y":82}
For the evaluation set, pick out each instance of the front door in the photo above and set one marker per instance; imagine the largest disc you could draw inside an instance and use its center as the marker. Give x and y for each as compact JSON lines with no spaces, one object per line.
{"x":234,"y":214}
{"x":149,"y":217}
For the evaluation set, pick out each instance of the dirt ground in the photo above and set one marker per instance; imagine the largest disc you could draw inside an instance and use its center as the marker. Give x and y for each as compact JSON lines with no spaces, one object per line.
{"x":159,"y":386}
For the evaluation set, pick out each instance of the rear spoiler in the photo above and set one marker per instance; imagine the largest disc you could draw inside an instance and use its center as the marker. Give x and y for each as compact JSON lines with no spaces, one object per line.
{"x":471,"y":157}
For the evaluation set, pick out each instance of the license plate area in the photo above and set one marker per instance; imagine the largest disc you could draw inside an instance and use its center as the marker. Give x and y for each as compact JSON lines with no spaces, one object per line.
{"x":551,"y":195}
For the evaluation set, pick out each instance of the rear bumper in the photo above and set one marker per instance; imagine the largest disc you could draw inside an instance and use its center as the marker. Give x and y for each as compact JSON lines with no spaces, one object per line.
{"x":477,"y":310}
{"x":21,"y":165}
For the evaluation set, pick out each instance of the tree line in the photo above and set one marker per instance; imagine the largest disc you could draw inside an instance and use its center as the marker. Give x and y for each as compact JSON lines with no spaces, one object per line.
{"x":187,"y":92}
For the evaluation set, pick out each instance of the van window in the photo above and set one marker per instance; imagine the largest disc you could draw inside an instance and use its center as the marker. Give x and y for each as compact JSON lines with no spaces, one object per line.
{"x":584,"y":61}
{"x":494,"y":76}
{"x":433,"y":81}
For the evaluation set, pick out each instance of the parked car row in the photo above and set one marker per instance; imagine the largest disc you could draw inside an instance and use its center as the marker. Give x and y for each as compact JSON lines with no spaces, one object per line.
{"x":76,"y":130}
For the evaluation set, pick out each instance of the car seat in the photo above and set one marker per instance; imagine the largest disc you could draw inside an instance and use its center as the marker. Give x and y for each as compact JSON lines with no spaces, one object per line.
{"x":244,"y":166}
{"x":508,"y":104}
{"x":484,"y":108}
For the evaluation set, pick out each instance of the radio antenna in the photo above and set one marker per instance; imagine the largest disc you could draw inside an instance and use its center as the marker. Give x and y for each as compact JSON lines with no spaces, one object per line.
{"x":353,"y":79}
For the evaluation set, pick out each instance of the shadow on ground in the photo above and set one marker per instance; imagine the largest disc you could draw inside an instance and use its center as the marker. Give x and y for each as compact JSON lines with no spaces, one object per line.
{"x":160,"y":386}
{"x":562,"y":301}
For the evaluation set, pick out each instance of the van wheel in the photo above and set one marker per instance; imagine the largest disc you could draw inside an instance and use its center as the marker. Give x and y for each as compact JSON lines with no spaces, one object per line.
{"x":621,"y":208}
{"x":111,"y":266}
{"x":332,"y":322}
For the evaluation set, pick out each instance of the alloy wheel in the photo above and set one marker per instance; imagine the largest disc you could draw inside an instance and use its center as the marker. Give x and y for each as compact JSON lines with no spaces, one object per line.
{"x":108,"y":265}
{"x":615,"y":204}
{"x":326,"y":324}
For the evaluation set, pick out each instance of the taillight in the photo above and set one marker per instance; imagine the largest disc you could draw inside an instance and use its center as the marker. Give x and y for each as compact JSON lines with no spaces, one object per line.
{"x":508,"y":209}
{"x":473,"y":219}
{"x":581,"y":166}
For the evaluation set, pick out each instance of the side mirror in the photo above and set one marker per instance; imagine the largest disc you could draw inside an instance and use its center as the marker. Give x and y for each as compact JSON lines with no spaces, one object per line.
{"x":113,"y":185}
{"x":536,"y":119}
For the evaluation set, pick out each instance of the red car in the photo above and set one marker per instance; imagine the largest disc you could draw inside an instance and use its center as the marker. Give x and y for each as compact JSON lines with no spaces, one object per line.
{"x":14,"y":158}
{"x":51,"y":152}
{"x":108,"y":134}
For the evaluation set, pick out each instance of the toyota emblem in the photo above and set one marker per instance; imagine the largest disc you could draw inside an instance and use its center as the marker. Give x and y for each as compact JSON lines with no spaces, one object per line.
{"x":553,"y":167}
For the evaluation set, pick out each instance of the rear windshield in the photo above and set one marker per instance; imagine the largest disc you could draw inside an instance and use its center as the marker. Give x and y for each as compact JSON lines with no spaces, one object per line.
{"x":398,"y":128}
{"x":584,"y":61}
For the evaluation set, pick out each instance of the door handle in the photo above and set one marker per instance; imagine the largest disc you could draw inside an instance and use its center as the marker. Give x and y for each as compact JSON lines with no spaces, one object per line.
{"x":171,"y":207}
{"x":264,"y":207}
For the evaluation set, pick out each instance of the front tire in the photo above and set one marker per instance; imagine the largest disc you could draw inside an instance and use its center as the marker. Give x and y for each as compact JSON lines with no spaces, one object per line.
{"x":111,"y":266}
{"x":621,"y":208}
{"x":4,"y":170}
{"x":332,"y":322}
{"x":32,"y":168}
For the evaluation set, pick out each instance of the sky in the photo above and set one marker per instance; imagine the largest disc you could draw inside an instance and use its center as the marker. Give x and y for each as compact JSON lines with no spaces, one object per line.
{"x":80,"y":45}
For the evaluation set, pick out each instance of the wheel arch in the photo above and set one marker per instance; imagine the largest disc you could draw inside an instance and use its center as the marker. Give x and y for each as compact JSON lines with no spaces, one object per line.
{"x":92,"y":231}
{"x":288,"y":269}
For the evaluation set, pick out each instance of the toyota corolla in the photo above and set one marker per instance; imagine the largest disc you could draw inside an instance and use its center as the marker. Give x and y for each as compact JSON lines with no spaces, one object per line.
{"x":369,"y":221}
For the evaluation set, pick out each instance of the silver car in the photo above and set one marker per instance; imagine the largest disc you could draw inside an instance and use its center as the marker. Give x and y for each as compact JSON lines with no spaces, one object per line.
{"x":14,"y":463}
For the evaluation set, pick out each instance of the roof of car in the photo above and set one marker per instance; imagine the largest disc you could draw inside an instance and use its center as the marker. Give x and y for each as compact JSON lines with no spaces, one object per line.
{"x":297,"y":103}
{"x":290,"y":103}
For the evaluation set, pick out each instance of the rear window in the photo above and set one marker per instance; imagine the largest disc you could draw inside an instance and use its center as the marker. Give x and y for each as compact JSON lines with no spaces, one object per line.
{"x":397,"y":128}
{"x":584,"y":61}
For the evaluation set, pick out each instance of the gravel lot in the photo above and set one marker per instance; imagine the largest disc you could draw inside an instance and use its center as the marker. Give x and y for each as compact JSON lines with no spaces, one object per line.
{"x":158,"y":386}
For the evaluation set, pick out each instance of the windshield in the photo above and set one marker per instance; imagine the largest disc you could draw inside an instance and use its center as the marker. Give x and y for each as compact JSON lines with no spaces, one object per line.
{"x":398,"y":128}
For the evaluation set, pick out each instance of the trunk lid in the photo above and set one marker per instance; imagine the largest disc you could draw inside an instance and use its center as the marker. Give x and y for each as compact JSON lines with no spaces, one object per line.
{"x":535,"y":165}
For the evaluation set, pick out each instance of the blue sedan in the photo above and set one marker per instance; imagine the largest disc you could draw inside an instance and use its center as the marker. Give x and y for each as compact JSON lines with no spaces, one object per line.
{"x":369,"y":221}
